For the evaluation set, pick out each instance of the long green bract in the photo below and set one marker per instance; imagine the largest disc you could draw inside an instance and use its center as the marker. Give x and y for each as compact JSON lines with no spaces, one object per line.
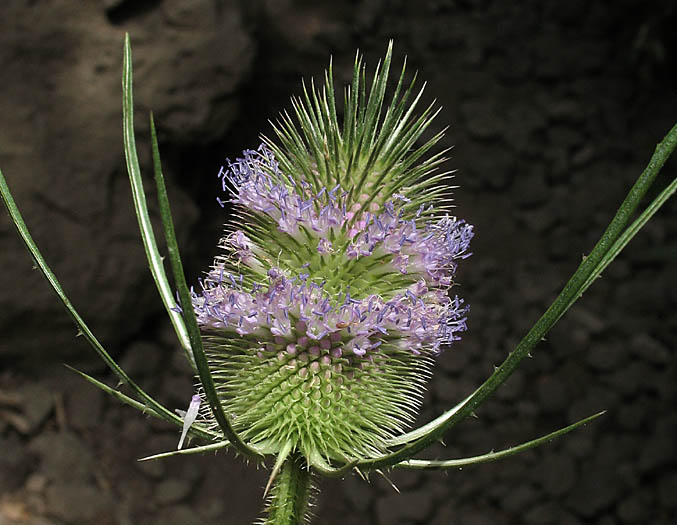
{"x":188,"y":451}
{"x":140,"y":207}
{"x":187,"y":307}
{"x":185,"y":297}
{"x":429,"y":464}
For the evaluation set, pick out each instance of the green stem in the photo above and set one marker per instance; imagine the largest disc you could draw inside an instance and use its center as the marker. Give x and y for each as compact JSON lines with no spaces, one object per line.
{"x":290,"y":495}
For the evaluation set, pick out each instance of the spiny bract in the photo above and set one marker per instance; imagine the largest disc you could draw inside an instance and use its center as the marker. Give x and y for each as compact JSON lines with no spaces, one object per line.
{"x":323,"y":314}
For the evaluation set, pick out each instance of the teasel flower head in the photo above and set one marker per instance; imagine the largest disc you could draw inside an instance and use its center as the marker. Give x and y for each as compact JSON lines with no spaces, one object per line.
{"x":334,"y":291}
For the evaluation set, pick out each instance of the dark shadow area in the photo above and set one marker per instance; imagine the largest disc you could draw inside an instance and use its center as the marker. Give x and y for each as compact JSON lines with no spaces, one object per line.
{"x":120,"y":11}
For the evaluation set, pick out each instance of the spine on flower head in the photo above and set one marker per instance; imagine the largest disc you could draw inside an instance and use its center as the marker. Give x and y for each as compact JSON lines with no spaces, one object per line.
{"x":332,"y":292}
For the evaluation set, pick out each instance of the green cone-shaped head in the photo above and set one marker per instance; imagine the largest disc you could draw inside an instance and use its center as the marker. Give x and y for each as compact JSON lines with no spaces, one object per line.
{"x":331,"y":297}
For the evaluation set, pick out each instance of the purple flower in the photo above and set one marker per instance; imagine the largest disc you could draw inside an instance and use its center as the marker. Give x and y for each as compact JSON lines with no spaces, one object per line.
{"x":288,"y":312}
{"x":292,"y":309}
{"x":260,"y":187}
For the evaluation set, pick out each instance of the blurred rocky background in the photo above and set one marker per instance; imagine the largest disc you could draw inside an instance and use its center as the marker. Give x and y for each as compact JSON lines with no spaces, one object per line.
{"x":554,"y":109}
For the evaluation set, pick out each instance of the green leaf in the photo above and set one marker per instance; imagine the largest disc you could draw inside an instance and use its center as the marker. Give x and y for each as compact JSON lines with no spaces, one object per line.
{"x":426,"y":464}
{"x":139,"y":197}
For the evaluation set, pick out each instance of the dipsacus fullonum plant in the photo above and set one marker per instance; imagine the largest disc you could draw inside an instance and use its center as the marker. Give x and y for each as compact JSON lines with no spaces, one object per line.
{"x":323,"y":315}
{"x":316,"y":328}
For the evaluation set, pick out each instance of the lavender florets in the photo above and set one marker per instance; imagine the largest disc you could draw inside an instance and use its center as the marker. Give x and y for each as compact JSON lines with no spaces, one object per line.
{"x":292,"y":306}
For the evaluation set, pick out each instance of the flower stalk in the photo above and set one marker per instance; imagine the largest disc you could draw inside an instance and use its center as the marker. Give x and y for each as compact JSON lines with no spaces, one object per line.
{"x":290,"y":497}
